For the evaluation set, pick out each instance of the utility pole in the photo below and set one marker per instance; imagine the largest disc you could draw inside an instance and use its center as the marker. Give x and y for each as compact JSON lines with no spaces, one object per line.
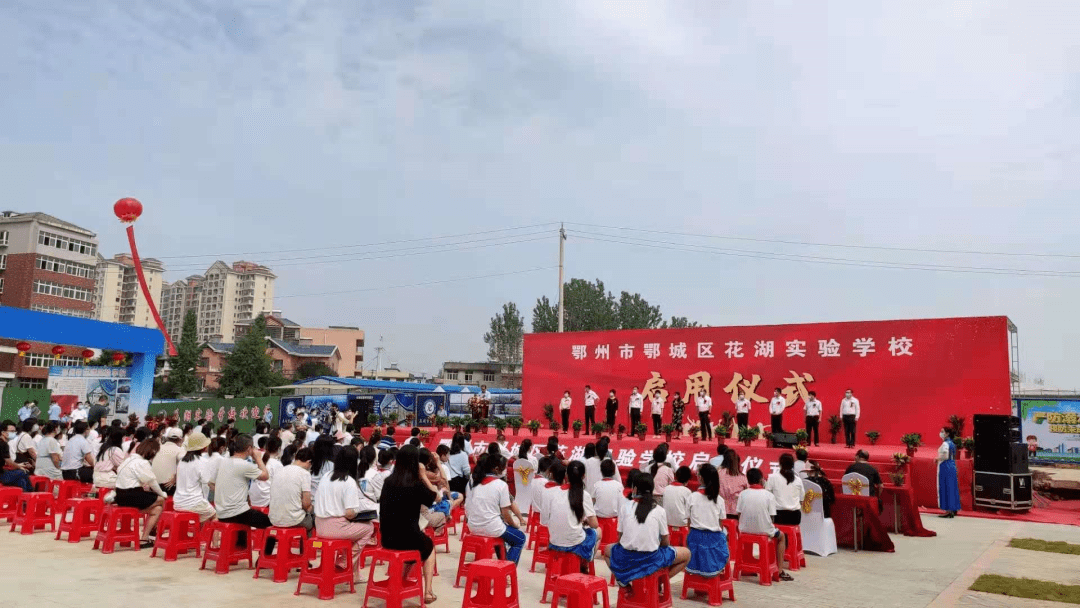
{"x":378,"y":357}
{"x":562,"y":241}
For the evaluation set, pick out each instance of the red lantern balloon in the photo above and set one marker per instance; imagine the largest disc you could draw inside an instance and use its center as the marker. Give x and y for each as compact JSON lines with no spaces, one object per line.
{"x":87,"y":354}
{"x":127,"y":209}
{"x":57,"y":351}
{"x":118,"y":357}
{"x":22,"y":347}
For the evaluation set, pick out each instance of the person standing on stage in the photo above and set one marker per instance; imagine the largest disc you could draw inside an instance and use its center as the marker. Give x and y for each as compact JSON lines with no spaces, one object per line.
{"x":564,"y":409}
{"x":776,"y":410}
{"x":590,"y":408}
{"x":612,"y":409}
{"x":948,"y":488}
{"x":813,"y":418}
{"x":636,"y":402}
{"x":677,"y":406}
{"x":704,"y":406}
{"x":849,"y":412}
{"x":742,"y":411}
{"x":657,"y":411}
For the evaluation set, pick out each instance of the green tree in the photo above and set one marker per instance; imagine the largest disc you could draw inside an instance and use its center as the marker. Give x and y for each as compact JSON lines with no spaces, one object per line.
{"x":679,"y":323}
{"x":545,"y":316}
{"x":636,"y":313}
{"x":588,"y":307}
{"x":506,"y":335}
{"x":182,"y":373}
{"x":313,"y":369}
{"x":164,"y":389}
{"x":248,"y":371}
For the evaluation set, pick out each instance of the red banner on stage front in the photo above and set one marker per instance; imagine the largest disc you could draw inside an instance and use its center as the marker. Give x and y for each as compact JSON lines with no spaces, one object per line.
{"x":909,"y":376}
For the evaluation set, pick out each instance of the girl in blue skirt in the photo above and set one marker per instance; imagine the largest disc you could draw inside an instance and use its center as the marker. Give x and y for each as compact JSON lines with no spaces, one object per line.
{"x":643,"y":546}
{"x":707,"y":540}
{"x":571,"y":518}
{"x":948,"y":487}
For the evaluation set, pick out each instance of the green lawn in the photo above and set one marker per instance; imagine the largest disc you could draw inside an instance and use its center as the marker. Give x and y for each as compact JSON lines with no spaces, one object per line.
{"x":1027,"y":588}
{"x":1035,"y":544}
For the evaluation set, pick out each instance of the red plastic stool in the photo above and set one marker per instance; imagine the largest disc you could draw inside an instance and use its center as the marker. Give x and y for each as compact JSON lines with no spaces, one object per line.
{"x":63,"y":490}
{"x":731,"y":526}
{"x":84,"y":521}
{"x":482,"y":547}
{"x":531,"y":526}
{"x":609,"y":531}
{"x":328,"y":574}
{"x":713,"y":586}
{"x":263,"y":510}
{"x":33,"y":511}
{"x":226,"y":553}
{"x":457,"y":515}
{"x":9,"y":502}
{"x":177,"y":532}
{"x":41,"y":484}
{"x":653,"y":591}
{"x":764,"y":565}
{"x":168,"y":506}
{"x":493,"y":580}
{"x":119,"y":526}
{"x":369,"y":551}
{"x":580,"y":591}
{"x":793,"y":554}
{"x":397,"y":587}
{"x":677,"y":535}
{"x":439,"y":539}
{"x":541,"y":554}
{"x":285,"y":559}
{"x":561,"y":563}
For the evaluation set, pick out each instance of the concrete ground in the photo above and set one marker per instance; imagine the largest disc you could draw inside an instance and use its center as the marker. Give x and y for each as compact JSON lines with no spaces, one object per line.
{"x":43,"y":573}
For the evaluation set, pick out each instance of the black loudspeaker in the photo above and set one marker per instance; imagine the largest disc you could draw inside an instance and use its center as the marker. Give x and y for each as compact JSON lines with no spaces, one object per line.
{"x":997,"y":445}
{"x":1003,"y":490}
{"x":363,"y":405}
{"x":784,"y":440}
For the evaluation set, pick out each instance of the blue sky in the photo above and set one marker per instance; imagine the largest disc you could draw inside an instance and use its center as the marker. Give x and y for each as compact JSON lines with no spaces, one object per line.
{"x":263,"y":125}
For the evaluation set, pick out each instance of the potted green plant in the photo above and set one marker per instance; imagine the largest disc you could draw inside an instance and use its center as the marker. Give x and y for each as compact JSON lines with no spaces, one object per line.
{"x":901,"y":460}
{"x":515,"y":424}
{"x":598,"y":428}
{"x":667,"y":430}
{"x":549,"y":412}
{"x":577,"y":425}
{"x":836,"y":424}
{"x":726,"y":420}
{"x":500,"y":424}
{"x":721,"y":431}
{"x":640,"y":430}
{"x":748,"y":434}
{"x":802,"y":436}
{"x":969,"y":446}
{"x":483,"y":424}
{"x":897,"y":478}
{"x":554,"y":426}
{"x":956,"y":423}
{"x":455,"y":423}
{"x":620,"y":431}
{"x":440,"y":422}
{"x":768,"y":439}
{"x":534,"y":427}
{"x":373,"y":419}
{"x":391,"y":419}
{"x":912,"y":441}
{"x":694,"y":431}
{"x":873,"y":436}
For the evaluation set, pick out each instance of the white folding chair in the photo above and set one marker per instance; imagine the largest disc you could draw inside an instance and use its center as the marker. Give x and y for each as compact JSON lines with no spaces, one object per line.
{"x":818,"y":532}
{"x":855,"y":484}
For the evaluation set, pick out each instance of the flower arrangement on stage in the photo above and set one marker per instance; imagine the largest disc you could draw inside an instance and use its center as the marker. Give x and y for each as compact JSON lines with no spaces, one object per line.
{"x":667,"y":430}
{"x":873,"y":436}
{"x":515,"y":423}
{"x":722,"y":431}
{"x":802,"y":436}
{"x":549,"y":412}
{"x":577,"y":425}
{"x":836,"y":423}
{"x":956,"y":423}
{"x":620,"y":431}
{"x":912,"y":441}
{"x":694,"y":431}
{"x":748,"y":434}
{"x":901,"y":460}
{"x":726,"y":418}
{"x":969,"y":446}
{"x":897,"y":478}
{"x":534,"y":427}
{"x":598,"y":428}
{"x":554,"y":426}
{"x":640,"y":429}
{"x":441,"y":422}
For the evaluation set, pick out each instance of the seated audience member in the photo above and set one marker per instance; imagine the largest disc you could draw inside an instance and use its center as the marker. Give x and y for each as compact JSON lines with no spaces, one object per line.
{"x":643,"y":546}
{"x":489,"y":509}
{"x":677,"y":499}
{"x":190,"y":479}
{"x":290,"y":494}
{"x":662,"y":472}
{"x":259,"y":492}
{"x":458,"y":462}
{"x":801,"y":457}
{"x":541,"y":482}
{"x":339,"y":513}
{"x":817,"y":475}
{"x":756,"y":508}
{"x":49,"y":453}
{"x":552,"y":449}
{"x":524,"y":472}
{"x":732,"y":482}
{"x":134,"y":474}
{"x":231,"y":490}
{"x":718,"y":460}
{"x":109,"y":457}
{"x":26,"y":444}
{"x":608,"y":492}
{"x":322,"y":463}
{"x":415,"y":442}
{"x":788,"y":491}
{"x":707,"y":540}
{"x":167,"y":458}
{"x":405,"y":491}
{"x":571,"y":519}
{"x":863,"y":467}
{"x":77,"y":463}
{"x":438,"y":513}
{"x":11,"y":473}
{"x":387,"y":441}
{"x":385,"y":467}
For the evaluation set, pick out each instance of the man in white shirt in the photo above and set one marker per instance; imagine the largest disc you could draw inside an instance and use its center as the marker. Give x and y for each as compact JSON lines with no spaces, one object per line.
{"x":776,"y":411}
{"x":813,"y":419}
{"x":849,"y":412}
{"x":756,"y":509}
{"x":704,"y":406}
{"x":742,"y":411}
{"x":590,"y":408}
{"x":608,"y":492}
{"x":234,"y":475}
{"x":657,"y":411}
{"x":636,"y":403}
{"x":80,"y":412}
{"x":290,"y":494}
{"x":167,"y":459}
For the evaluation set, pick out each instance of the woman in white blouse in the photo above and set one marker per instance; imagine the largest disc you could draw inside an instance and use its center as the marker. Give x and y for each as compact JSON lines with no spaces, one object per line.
{"x":259,"y":491}
{"x":338,"y":505}
{"x":134,"y":475}
{"x":564,"y":410}
{"x":109,"y":459}
{"x":788,"y":490}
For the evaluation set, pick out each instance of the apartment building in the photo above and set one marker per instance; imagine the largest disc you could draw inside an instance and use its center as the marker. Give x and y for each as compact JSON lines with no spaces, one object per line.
{"x":48,"y":265}
{"x":117,"y":295}
{"x":177,"y":298}
{"x":229,"y":294}
{"x":287,"y":358}
{"x":349,"y":341}
{"x":494,"y":375}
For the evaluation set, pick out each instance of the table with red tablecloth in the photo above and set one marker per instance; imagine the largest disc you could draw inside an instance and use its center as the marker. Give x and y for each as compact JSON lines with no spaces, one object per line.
{"x":900,"y":513}
{"x":846,"y":510}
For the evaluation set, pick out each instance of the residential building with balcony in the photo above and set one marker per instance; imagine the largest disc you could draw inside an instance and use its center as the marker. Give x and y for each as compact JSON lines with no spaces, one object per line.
{"x":494,"y":375}
{"x":348,"y":340}
{"x":287,"y":358}
{"x":229,"y":294}
{"x":177,"y":298}
{"x":118,"y":298}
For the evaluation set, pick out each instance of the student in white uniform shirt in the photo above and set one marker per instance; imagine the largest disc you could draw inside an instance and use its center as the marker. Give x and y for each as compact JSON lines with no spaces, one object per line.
{"x":756,"y":508}
{"x":677,"y":499}
{"x":564,"y":410}
{"x":524,"y":473}
{"x":541,"y":482}
{"x":259,"y":491}
{"x":707,"y":540}
{"x":191,"y":478}
{"x":489,"y":509}
{"x":849,"y":412}
{"x":636,"y":403}
{"x":643,"y":546}
{"x":813,"y":419}
{"x":590,"y":408}
{"x":742,"y":411}
{"x":657,"y":403}
{"x":787,"y":488}
{"x":776,"y":411}
{"x":608,"y":492}
{"x":704,"y":407}
{"x":571,"y":520}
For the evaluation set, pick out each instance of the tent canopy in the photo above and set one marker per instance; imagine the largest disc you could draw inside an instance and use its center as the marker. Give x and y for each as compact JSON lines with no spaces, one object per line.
{"x":387,"y":385}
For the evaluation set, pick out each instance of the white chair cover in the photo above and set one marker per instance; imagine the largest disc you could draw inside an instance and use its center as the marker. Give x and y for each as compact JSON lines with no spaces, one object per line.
{"x":818,"y":533}
{"x":855,"y":484}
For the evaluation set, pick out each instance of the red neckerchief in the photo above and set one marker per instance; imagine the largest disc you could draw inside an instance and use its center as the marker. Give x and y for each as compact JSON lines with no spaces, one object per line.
{"x":702,"y":492}
{"x":627,"y":492}
{"x":564,"y":486}
{"x":757,"y":486}
{"x":550,"y":484}
{"x":488,"y":479}
{"x":676,"y":484}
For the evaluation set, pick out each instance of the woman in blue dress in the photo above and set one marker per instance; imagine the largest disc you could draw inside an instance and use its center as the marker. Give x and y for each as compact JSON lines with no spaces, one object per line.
{"x":948,"y":486}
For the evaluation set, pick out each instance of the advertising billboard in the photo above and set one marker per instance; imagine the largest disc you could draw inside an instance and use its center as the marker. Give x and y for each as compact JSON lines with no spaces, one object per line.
{"x":1051,"y":429}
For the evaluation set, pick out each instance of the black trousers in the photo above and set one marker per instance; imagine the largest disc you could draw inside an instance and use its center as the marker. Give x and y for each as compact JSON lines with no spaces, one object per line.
{"x":590,"y":417}
{"x":635,"y":419}
{"x":812,"y":432}
{"x":706,"y":425}
{"x":742,"y":420}
{"x":565,"y":419}
{"x":82,"y":474}
{"x":657,"y":421}
{"x":777,"y":423}
{"x":849,"y":430}
{"x":255,"y":519}
{"x":611,"y":413}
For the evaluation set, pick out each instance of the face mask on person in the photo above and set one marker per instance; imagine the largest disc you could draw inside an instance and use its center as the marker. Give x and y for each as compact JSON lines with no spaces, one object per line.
{"x":942,"y":434}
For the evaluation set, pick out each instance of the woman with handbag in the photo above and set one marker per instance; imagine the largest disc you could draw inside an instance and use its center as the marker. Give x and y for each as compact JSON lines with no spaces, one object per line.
{"x":339,"y":512}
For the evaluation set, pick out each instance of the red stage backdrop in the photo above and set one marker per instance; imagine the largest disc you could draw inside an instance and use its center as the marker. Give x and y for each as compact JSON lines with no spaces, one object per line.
{"x":909,"y":376}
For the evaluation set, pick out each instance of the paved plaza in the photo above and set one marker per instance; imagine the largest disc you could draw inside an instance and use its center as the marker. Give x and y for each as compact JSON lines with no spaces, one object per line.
{"x":935,"y":572}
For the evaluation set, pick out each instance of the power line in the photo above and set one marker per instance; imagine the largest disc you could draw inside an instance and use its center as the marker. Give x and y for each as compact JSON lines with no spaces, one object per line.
{"x":439,"y":282}
{"x":842,"y":245}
